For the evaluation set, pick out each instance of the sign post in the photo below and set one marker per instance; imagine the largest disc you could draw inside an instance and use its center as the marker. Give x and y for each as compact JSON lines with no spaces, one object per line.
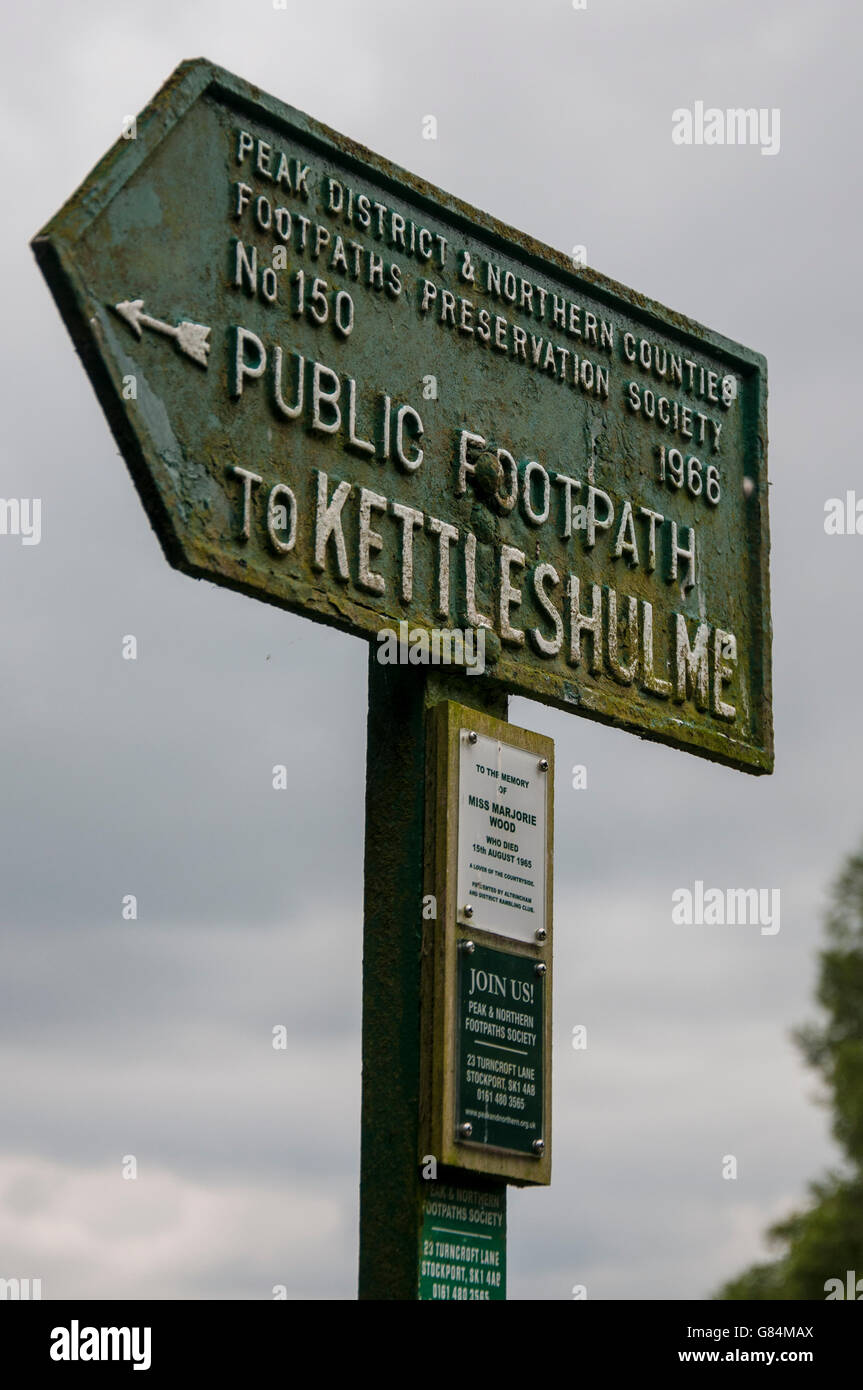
{"x":345,"y":392}
{"x":399,"y":854}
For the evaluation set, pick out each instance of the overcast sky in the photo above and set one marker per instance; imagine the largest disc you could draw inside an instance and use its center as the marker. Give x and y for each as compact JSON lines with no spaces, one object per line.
{"x":154,"y":777}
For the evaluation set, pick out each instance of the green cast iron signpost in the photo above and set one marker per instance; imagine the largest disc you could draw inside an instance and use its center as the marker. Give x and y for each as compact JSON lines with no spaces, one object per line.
{"x":310,"y":359}
{"x":345,"y":392}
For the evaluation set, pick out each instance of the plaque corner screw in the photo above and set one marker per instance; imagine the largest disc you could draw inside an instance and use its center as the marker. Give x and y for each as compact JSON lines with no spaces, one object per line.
{"x":538,"y":1147}
{"x":541,"y":934}
{"x":472,"y":736}
{"x":466,"y":1130}
{"x":467,"y":946}
{"x":543,"y":764}
{"x":540,"y":967}
{"x":468,"y":909}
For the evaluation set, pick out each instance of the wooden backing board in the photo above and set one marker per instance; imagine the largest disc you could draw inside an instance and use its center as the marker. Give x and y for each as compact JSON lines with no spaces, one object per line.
{"x":441,"y":936}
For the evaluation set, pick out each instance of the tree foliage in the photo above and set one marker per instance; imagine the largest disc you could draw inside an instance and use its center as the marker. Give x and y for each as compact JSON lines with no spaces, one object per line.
{"x":825,"y":1239}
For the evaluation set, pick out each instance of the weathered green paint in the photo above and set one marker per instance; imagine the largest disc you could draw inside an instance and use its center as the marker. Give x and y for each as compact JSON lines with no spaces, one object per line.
{"x":156,"y":221}
{"x":399,"y":845}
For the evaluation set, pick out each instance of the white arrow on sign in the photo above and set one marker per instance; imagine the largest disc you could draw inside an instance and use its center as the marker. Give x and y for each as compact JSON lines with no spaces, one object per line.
{"x":191,"y":337}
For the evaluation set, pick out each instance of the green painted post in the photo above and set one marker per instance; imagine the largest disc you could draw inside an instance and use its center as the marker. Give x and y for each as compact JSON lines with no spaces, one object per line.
{"x":391,"y":1184}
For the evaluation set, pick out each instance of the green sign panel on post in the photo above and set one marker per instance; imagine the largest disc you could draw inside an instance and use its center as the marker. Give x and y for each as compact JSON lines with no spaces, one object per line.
{"x":463,"y":1244}
{"x":501,"y":1039}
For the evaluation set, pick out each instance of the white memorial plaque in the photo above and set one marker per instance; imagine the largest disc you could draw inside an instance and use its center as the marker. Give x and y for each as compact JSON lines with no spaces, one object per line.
{"x":501,"y":838}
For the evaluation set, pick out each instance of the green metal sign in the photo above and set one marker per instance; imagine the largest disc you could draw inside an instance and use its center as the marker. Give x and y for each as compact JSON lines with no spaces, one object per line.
{"x":463,"y":1244}
{"x":501,"y":1040}
{"x":345,"y":392}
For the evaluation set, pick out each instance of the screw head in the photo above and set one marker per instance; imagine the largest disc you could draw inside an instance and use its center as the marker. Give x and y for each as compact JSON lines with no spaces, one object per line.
{"x":468,"y":909}
{"x":467,"y":946}
{"x":540,"y":967}
{"x":543,"y":764}
{"x":472,"y":736}
{"x":538,"y":1147}
{"x":541,"y":934}
{"x":466,"y":1130}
